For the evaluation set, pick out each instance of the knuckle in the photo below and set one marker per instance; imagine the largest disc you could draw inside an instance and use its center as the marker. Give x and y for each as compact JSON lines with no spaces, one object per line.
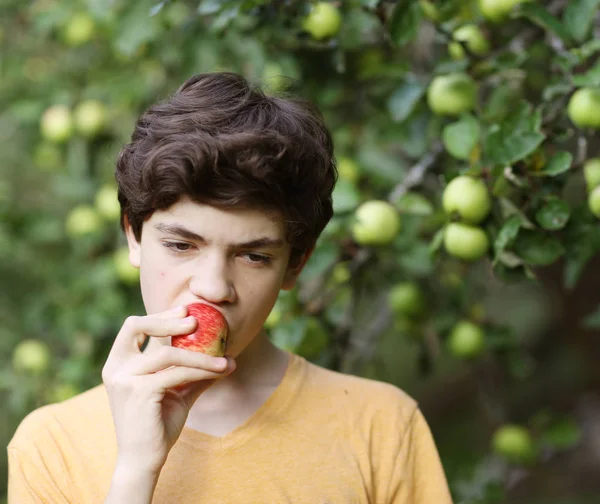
{"x":131,"y":322}
{"x":164,"y":353}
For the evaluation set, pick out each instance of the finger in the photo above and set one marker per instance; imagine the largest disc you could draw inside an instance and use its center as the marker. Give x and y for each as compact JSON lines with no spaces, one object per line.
{"x":168,"y":356}
{"x":177,"y":376}
{"x":135,"y":329}
{"x":192,"y":391}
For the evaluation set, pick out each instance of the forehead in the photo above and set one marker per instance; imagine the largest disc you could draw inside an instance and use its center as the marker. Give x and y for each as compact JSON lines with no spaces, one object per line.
{"x":227,"y":224}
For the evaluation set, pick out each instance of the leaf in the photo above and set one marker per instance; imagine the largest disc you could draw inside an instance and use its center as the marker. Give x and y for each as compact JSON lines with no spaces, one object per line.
{"x":414,"y":203}
{"x":436,"y":241}
{"x":578,"y":17}
{"x":589,"y":78}
{"x":559,"y":163}
{"x":461,"y":137}
{"x":516,"y":137}
{"x":538,"y":249}
{"x":346,"y":197}
{"x":135,"y":29}
{"x":554,"y":214}
{"x":288,"y":335}
{"x":208,"y":7}
{"x":540,"y":16}
{"x":157,"y":8}
{"x":592,"y":321}
{"x":562,"y":434}
{"x":404,"y":99}
{"x":506,"y":147}
{"x":508,"y":232}
{"x":404,"y":21}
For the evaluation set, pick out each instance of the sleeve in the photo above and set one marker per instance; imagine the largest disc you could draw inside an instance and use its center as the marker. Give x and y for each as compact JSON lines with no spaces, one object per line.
{"x":34,"y":462}
{"x":418,"y":476}
{"x":28,"y":483}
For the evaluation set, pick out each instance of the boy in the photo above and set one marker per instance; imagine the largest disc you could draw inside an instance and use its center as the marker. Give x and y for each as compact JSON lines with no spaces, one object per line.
{"x":223,"y":193}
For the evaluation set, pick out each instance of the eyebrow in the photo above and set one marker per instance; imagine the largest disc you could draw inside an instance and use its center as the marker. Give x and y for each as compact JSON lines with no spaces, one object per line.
{"x":183,"y":232}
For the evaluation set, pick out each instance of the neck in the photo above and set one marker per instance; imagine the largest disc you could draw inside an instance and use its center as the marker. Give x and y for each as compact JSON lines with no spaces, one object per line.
{"x":261,"y":365}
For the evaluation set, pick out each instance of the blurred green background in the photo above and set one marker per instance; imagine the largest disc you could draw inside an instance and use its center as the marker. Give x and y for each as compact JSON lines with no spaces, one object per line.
{"x":482,"y":304}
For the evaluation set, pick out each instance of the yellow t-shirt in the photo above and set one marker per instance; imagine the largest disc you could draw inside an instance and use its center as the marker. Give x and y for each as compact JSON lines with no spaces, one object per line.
{"x":321,"y":438}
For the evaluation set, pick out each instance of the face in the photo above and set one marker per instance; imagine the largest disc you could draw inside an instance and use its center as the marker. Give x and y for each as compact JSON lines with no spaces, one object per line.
{"x":234,"y":259}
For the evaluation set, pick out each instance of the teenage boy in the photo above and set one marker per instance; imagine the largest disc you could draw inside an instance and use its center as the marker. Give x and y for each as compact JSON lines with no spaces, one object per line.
{"x":224,"y":192}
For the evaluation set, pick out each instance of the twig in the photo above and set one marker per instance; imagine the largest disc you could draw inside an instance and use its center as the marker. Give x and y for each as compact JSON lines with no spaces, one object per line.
{"x":416,"y":173}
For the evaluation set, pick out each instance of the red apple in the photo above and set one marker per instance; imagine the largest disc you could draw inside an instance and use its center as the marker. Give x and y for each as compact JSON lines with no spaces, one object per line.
{"x":211,"y":335}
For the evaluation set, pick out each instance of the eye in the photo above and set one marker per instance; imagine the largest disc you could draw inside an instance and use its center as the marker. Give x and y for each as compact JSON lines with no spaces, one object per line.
{"x":257,"y":258}
{"x":177,"y":246}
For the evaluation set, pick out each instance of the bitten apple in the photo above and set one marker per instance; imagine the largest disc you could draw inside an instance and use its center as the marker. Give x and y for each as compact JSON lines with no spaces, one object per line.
{"x":210,"y":337}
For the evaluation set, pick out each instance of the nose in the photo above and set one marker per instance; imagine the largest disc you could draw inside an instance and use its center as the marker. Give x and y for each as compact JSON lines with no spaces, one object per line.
{"x":211,"y":281}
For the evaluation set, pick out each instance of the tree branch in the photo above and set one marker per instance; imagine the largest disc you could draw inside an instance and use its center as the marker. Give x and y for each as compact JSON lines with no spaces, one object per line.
{"x":416,"y":173}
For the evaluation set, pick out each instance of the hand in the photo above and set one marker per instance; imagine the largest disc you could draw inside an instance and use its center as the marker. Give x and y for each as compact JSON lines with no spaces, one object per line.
{"x":150,"y":394}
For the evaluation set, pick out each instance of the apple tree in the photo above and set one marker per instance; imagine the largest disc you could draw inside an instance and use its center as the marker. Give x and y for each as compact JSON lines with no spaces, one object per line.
{"x":459,"y":263}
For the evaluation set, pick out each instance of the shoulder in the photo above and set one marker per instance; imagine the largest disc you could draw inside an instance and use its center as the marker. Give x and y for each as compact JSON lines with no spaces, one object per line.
{"x":375,"y":401}
{"x":70,"y":419}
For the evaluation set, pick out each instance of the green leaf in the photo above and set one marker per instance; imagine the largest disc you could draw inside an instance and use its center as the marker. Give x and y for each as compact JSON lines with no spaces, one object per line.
{"x":516,"y":137}
{"x":208,"y":7}
{"x":136,"y":28}
{"x":540,"y":16}
{"x":414,"y":203}
{"x":505,"y":147}
{"x":554,"y":214}
{"x":538,"y":249}
{"x":346,"y":197}
{"x":592,"y":321}
{"x":589,"y":78}
{"x":288,"y":335}
{"x":404,"y":22}
{"x":562,"y":434}
{"x":436,"y":241}
{"x":404,"y":99}
{"x":559,"y":163}
{"x":578,"y":17}
{"x":461,"y":137}
{"x":508,"y":232}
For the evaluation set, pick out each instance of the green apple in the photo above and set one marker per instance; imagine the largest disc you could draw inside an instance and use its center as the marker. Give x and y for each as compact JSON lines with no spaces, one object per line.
{"x":406,"y":298}
{"x":82,"y":220}
{"x":79,"y":30}
{"x":177,"y":13}
{"x":514,"y":443}
{"x":429,"y":10}
{"x":466,"y":340}
{"x":31,"y":356}
{"x":468,"y":197}
{"x":61,"y":392}
{"x":274,"y":77}
{"x":497,"y":10}
{"x":472,"y":37}
{"x":107,"y":203}
{"x":451,"y":94}
{"x":348,"y":170}
{"x":591,"y":173}
{"x":375,"y":223}
{"x":584,"y":108}
{"x":90,"y":118}
{"x":466,"y":242}
{"x":56,"y":123}
{"x":323,"y":21}
{"x":126,"y":273}
{"x":340,"y":273}
{"x":48,"y":157}
{"x":594,"y":201}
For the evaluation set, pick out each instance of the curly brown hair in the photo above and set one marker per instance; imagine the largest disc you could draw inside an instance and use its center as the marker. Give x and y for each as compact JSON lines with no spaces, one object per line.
{"x":221,"y":141}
